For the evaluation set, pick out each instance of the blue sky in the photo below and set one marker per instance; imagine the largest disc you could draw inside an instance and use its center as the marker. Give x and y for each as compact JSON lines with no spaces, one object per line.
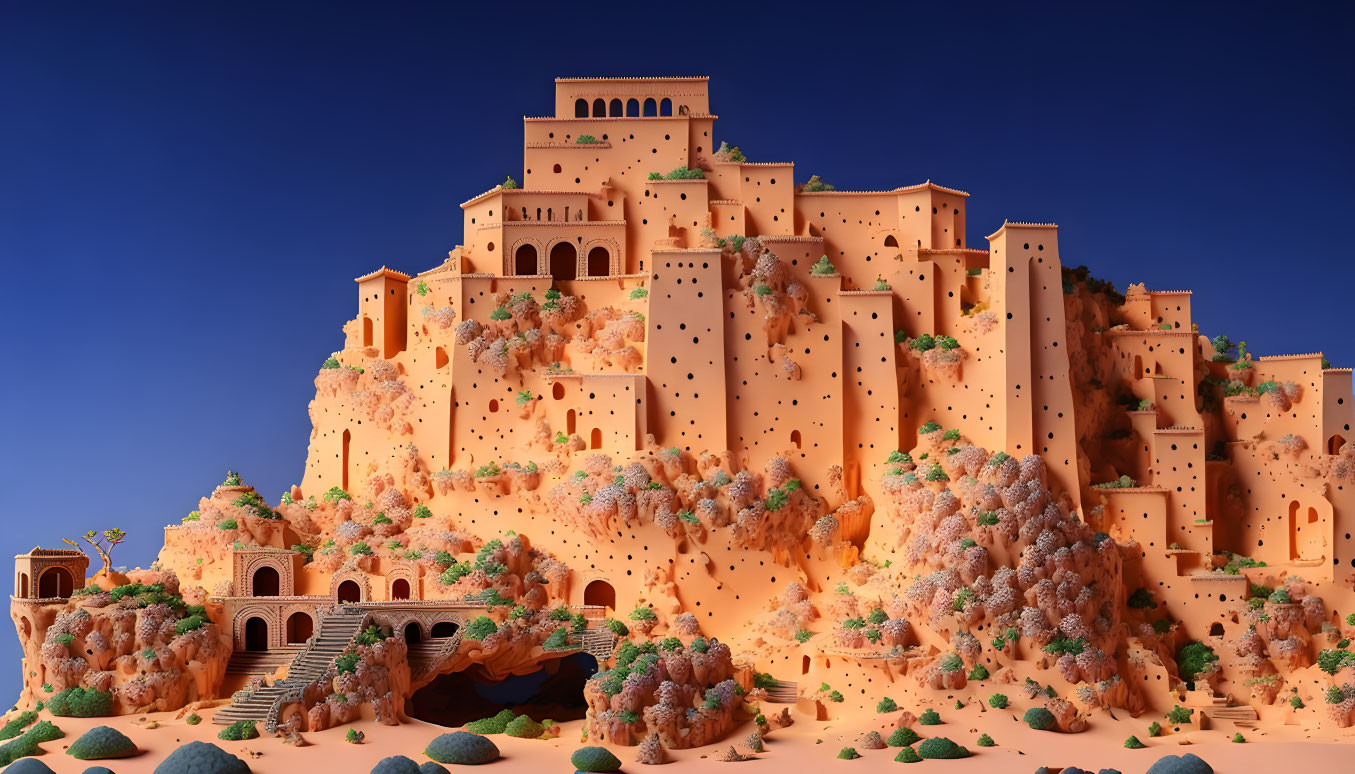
{"x":188,"y":189}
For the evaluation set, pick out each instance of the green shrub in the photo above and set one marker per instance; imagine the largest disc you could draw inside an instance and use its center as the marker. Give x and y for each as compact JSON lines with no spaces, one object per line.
{"x":908,"y":755}
{"x":903,"y":737}
{"x":558,"y":640}
{"x":939,"y":747}
{"x":81,"y":703}
{"x":997,"y":701}
{"x":642,"y":613}
{"x":27,"y":743}
{"x":928,"y":428}
{"x":239,"y":731}
{"x":227,"y":524}
{"x":347,"y":663}
{"x":638,"y":293}
{"x":929,"y":717}
{"x":1238,"y":738}
{"x":1154,"y":729}
{"x":848,"y":754}
{"x":1192,"y":658}
{"x":1039,"y":718}
{"x":823,"y":267}
{"x":336,"y":494}
{"x":1133,"y":743}
{"x":586,"y":139}
{"x":492,"y":725}
{"x":193,"y":719}
{"x":836,"y":696}
{"x":509,"y":183}
{"x":986,"y":741}
{"x":481,"y":628}
{"x":16,"y":726}
{"x":462,"y":748}
{"x":979,"y":672}
{"x":523,"y":727}
{"x":886,"y":705}
{"x":1296,"y":702}
{"x":1333,"y":661}
{"x":332,"y":362}
{"x":803,"y":635}
{"x":1178,"y":715}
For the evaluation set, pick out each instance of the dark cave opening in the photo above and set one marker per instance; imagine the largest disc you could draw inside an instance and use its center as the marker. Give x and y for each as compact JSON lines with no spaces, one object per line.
{"x":554,"y":691}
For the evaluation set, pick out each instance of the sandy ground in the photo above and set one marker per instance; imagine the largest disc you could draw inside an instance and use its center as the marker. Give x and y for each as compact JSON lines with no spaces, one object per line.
{"x":802,"y":746}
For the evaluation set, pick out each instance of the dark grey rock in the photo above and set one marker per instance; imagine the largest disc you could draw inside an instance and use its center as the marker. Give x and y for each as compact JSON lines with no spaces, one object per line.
{"x":433,"y":768}
{"x":1189,"y":763}
{"x":201,"y":758}
{"x":461,"y":748}
{"x":28,"y":766}
{"x":396,"y":764}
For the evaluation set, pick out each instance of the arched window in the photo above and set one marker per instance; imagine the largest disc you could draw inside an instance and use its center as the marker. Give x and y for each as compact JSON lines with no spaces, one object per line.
{"x":564,"y":261}
{"x":580,"y":108}
{"x":440,"y":357}
{"x":890,"y":241}
{"x":804,"y":666}
{"x":256,"y":634}
{"x":795,"y":438}
{"x":557,"y":391}
{"x":599,"y":108}
{"x":1216,"y":630}
{"x":599,"y":262}
{"x":300,"y":627}
{"x":55,"y":582}
{"x":666,"y":107}
{"x":651,"y":107}
{"x":632,"y":107}
{"x":413,"y":633}
{"x":614,"y":109}
{"x":443,"y":629}
{"x":524,"y":261}
{"x":23,"y":585}
{"x":366,"y":331}
{"x":571,"y":421}
{"x":400,"y":589}
{"x":1335,"y":443}
{"x":595,"y":438}
{"x":349,"y":591}
{"x":599,"y":592}
{"x":266,"y":582}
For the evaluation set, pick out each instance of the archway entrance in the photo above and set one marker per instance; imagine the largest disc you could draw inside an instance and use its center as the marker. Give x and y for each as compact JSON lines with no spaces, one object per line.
{"x":524,"y":261}
{"x":599,"y":262}
{"x":300,"y":627}
{"x":564,"y":261}
{"x":266,"y":582}
{"x":366,"y":331}
{"x":412,"y":633}
{"x":55,"y":582}
{"x":400,"y":589}
{"x":443,"y":629}
{"x":599,"y":592}
{"x":554,"y":691}
{"x":349,"y":591}
{"x":256,"y":634}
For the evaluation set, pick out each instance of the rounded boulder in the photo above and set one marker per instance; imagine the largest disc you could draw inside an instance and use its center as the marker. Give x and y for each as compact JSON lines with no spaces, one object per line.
{"x":28,"y":766}
{"x":102,"y":742}
{"x":462,"y":748}
{"x":1189,"y":763}
{"x":396,"y":764}
{"x":595,"y":759}
{"x":201,"y":758}
{"x":430,"y":767}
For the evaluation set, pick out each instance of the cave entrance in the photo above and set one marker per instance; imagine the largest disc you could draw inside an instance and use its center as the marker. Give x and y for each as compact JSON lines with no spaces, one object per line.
{"x":554,"y":691}
{"x":600,"y":593}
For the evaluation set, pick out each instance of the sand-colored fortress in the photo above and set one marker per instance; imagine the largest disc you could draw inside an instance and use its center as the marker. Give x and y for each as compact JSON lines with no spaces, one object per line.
{"x":811,"y":443}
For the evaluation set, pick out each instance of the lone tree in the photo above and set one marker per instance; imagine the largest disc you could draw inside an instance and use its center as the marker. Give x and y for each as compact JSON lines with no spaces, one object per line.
{"x":102,"y":543}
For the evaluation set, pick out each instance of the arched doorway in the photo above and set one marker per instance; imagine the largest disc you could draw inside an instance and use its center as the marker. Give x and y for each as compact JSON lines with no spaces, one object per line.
{"x":300,"y":627}
{"x":55,"y":582}
{"x":347,"y":441}
{"x":599,"y":592}
{"x":443,"y":629}
{"x":595,"y":438}
{"x":666,"y":107}
{"x":614,"y":108}
{"x":349,"y":591}
{"x":1335,"y":443}
{"x":632,"y":107}
{"x":524,"y":261}
{"x":400,"y":589}
{"x":564,"y":261}
{"x":599,"y":108}
{"x":580,"y":108}
{"x":266,"y":582}
{"x":23,"y":585}
{"x":256,"y":634}
{"x":1216,"y":630}
{"x":413,"y":633}
{"x":651,"y":107}
{"x":599,"y":262}
{"x":366,"y":331}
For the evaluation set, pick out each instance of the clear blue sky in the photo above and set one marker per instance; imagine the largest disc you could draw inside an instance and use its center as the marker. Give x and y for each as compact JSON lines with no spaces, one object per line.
{"x":188,"y":189}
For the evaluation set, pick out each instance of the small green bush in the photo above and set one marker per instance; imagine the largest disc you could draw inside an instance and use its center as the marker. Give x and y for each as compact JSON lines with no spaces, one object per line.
{"x":492,"y":725}
{"x":16,"y":726}
{"x":593,"y":759}
{"x":986,"y":741}
{"x":481,"y":628}
{"x":939,"y":747}
{"x":848,"y":754}
{"x":997,"y":701}
{"x":523,"y":727}
{"x":102,"y":742}
{"x":823,"y":267}
{"x":27,"y":743}
{"x":979,"y":672}
{"x":239,"y":731}
{"x":1133,"y":743}
{"x":193,"y":719}
{"x":558,"y":640}
{"x":886,"y":705}
{"x":1238,"y":738}
{"x":81,"y":703}
{"x":1154,"y":728}
{"x":929,"y":717}
{"x":1039,"y":718}
{"x":903,"y":737}
{"x":908,"y":755}
{"x":1178,"y":715}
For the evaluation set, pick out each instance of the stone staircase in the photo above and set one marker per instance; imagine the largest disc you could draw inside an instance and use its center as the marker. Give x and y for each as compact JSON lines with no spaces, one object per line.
{"x":261,"y":662}
{"x":784,"y":692}
{"x":1242,"y":715}
{"x":338,"y":627}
